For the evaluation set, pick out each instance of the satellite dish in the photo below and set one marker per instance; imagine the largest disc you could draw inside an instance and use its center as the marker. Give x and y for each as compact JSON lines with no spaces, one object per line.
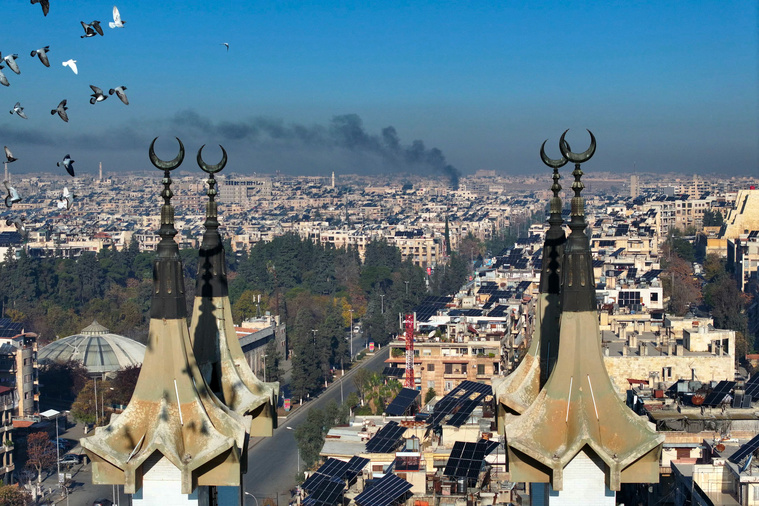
{"x":697,"y":399}
{"x":720,"y":448}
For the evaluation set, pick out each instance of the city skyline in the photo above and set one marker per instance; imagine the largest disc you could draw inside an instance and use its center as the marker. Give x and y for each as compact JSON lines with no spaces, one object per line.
{"x":313,"y":88}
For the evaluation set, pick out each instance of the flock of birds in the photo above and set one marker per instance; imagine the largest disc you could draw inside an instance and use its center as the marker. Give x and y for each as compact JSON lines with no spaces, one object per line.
{"x":92,"y":29}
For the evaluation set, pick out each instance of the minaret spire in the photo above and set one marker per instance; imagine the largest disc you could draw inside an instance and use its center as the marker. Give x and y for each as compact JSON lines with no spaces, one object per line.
{"x":174,"y":435}
{"x":578,"y":416}
{"x":516,"y":391}
{"x":215,"y":342}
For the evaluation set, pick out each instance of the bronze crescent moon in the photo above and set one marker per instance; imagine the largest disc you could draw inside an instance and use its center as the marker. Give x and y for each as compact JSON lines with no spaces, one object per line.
{"x":212,"y":169}
{"x":555,"y":164}
{"x":577,"y":157}
{"x":170,"y":165}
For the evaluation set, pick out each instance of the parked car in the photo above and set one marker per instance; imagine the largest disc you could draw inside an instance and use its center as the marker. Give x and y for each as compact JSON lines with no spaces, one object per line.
{"x":103,"y":502}
{"x":70,"y":459}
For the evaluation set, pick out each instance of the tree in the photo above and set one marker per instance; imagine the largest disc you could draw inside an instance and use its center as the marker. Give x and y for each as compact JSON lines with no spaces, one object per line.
{"x":40,"y":453}
{"x":13,"y":495}
{"x":429,"y":395}
{"x":310,"y":436}
{"x":680,"y":286}
{"x":63,"y":380}
{"x":124,"y":383}
{"x":274,"y":369}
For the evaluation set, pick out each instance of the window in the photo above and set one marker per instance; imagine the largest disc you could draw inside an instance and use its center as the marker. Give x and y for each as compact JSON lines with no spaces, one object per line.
{"x":448,"y":385}
{"x":448,"y":368}
{"x":654,"y":297}
{"x":431,"y":384}
{"x":431,"y":367}
{"x":480,"y":369}
{"x":426,"y":352}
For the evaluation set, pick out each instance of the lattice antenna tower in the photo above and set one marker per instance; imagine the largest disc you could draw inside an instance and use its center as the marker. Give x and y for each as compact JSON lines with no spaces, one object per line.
{"x":409,"y":321}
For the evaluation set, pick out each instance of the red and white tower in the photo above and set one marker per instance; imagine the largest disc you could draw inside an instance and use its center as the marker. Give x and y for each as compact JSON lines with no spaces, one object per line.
{"x":409,"y":322}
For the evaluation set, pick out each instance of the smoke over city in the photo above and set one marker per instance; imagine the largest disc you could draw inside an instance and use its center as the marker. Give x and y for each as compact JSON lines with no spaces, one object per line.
{"x":344,"y":136}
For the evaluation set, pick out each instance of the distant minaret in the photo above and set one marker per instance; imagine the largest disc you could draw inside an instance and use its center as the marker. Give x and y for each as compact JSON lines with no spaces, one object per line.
{"x":333,"y":179}
{"x":634,"y":186}
{"x":100,"y":176}
{"x":7,"y":178}
{"x":578,"y":441}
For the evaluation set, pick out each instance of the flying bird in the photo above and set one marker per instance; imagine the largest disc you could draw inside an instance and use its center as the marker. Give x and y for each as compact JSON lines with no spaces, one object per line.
{"x":98,"y":95}
{"x":42,"y":54}
{"x":12,"y":196}
{"x":66,"y":200}
{"x":71,"y":64}
{"x":119,"y":90}
{"x":117,"y":22}
{"x":61,"y":110}
{"x":9,"y":155}
{"x":18,"y":110}
{"x":67,"y":164}
{"x":18,"y":222}
{"x":10,"y":60}
{"x":225,"y":44}
{"x":89,"y":30}
{"x":45,"y":5}
{"x":3,"y":79}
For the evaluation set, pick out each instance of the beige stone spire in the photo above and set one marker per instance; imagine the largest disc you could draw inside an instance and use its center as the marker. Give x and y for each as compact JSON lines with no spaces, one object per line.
{"x":578,"y":410}
{"x":172,"y":416}
{"x":215,"y":343}
{"x":516,"y":391}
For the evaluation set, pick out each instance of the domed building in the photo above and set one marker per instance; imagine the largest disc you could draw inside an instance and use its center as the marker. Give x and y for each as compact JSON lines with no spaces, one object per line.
{"x":96,"y":348}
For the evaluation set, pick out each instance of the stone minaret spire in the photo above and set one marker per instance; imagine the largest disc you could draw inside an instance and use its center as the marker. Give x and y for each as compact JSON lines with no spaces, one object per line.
{"x":516,"y":391}
{"x":175,"y":436}
{"x":215,"y":342}
{"x":578,"y":428}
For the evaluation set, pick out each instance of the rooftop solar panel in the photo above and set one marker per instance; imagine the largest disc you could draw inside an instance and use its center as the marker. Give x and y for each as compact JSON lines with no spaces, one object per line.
{"x":394,"y":372}
{"x":745,"y":450}
{"x":466,"y":460}
{"x":328,"y":494}
{"x":456,"y":399}
{"x":718,"y":394}
{"x":384,"y":491}
{"x":386,"y":439}
{"x":489,"y":445}
{"x":402,"y":402}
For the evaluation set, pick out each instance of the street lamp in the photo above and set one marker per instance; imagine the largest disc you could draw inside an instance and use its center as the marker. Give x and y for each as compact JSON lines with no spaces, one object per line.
{"x":351,"y":339}
{"x":251,"y":495}
{"x":298,"y":447}
{"x":95,"y":382}
{"x":382,"y":298}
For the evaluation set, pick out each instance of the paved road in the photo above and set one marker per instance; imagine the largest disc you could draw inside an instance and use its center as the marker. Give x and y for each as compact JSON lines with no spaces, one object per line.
{"x":273,"y":462}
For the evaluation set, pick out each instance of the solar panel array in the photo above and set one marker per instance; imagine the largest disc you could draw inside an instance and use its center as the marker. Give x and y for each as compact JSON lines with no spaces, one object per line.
{"x":745,"y":450}
{"x":460,"y":402}
{"x":9,"y":328}
{"x":394,"y":372}
{"x":489,"y":445}
{"x":430,"y":306}
{"x":741,"y":401}
{"x":327,"y":484}
{"x":386,"y":439}
{"x":719,"y":393}
{"x":402,"y":401}
{"x":752,"y":386}
{"x":466,"y":459}
{"x":498,"y":311}
{"x":384,"y":491}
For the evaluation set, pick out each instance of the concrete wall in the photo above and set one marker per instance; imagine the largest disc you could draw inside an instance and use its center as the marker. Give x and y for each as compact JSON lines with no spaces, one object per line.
{"x":707,"y":368}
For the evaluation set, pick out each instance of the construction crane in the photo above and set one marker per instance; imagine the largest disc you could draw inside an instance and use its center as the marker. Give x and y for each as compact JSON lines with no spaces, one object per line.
{"x":409,"y":322}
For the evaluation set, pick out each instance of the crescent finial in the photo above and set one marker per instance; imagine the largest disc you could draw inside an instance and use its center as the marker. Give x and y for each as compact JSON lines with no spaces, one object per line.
{"x":577,"y":157}
{"x":555,"y":164}
{"x":170,"y":165}
{"x":212,"y":169}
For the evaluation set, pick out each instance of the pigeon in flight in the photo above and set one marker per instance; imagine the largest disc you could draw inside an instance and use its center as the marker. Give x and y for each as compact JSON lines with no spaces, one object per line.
{"x":225,"y":44}
{"x":98,"y":95}
{"x":18,"y":222}
{"x":119,"y":91}
{"x":61,"y":110}
{"x":18,"y":110}
{"x":9,"y":155}
{"x":117,"y":22}
{"x":71,"y":64}
{"x":3,"y":79}
{"x":12,"y":196}
{"x":89,"y":29}
{"x":42,"y":53}
{"x":45,"y":5}
{"x":10,"y":60}
{"x":67,"y":164}
{"x":66,"y":200}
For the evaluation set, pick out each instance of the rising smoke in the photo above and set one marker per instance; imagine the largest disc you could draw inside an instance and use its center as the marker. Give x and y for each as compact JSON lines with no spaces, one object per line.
{"x":344,"y":133}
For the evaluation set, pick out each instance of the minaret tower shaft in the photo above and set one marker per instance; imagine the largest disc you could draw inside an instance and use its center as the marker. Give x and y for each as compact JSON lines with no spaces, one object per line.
{"x":578,"y":416}
{"x":175,"y":435}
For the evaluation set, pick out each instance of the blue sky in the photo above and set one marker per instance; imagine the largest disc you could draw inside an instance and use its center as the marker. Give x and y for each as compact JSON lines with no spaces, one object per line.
{"x":664,"y":86}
